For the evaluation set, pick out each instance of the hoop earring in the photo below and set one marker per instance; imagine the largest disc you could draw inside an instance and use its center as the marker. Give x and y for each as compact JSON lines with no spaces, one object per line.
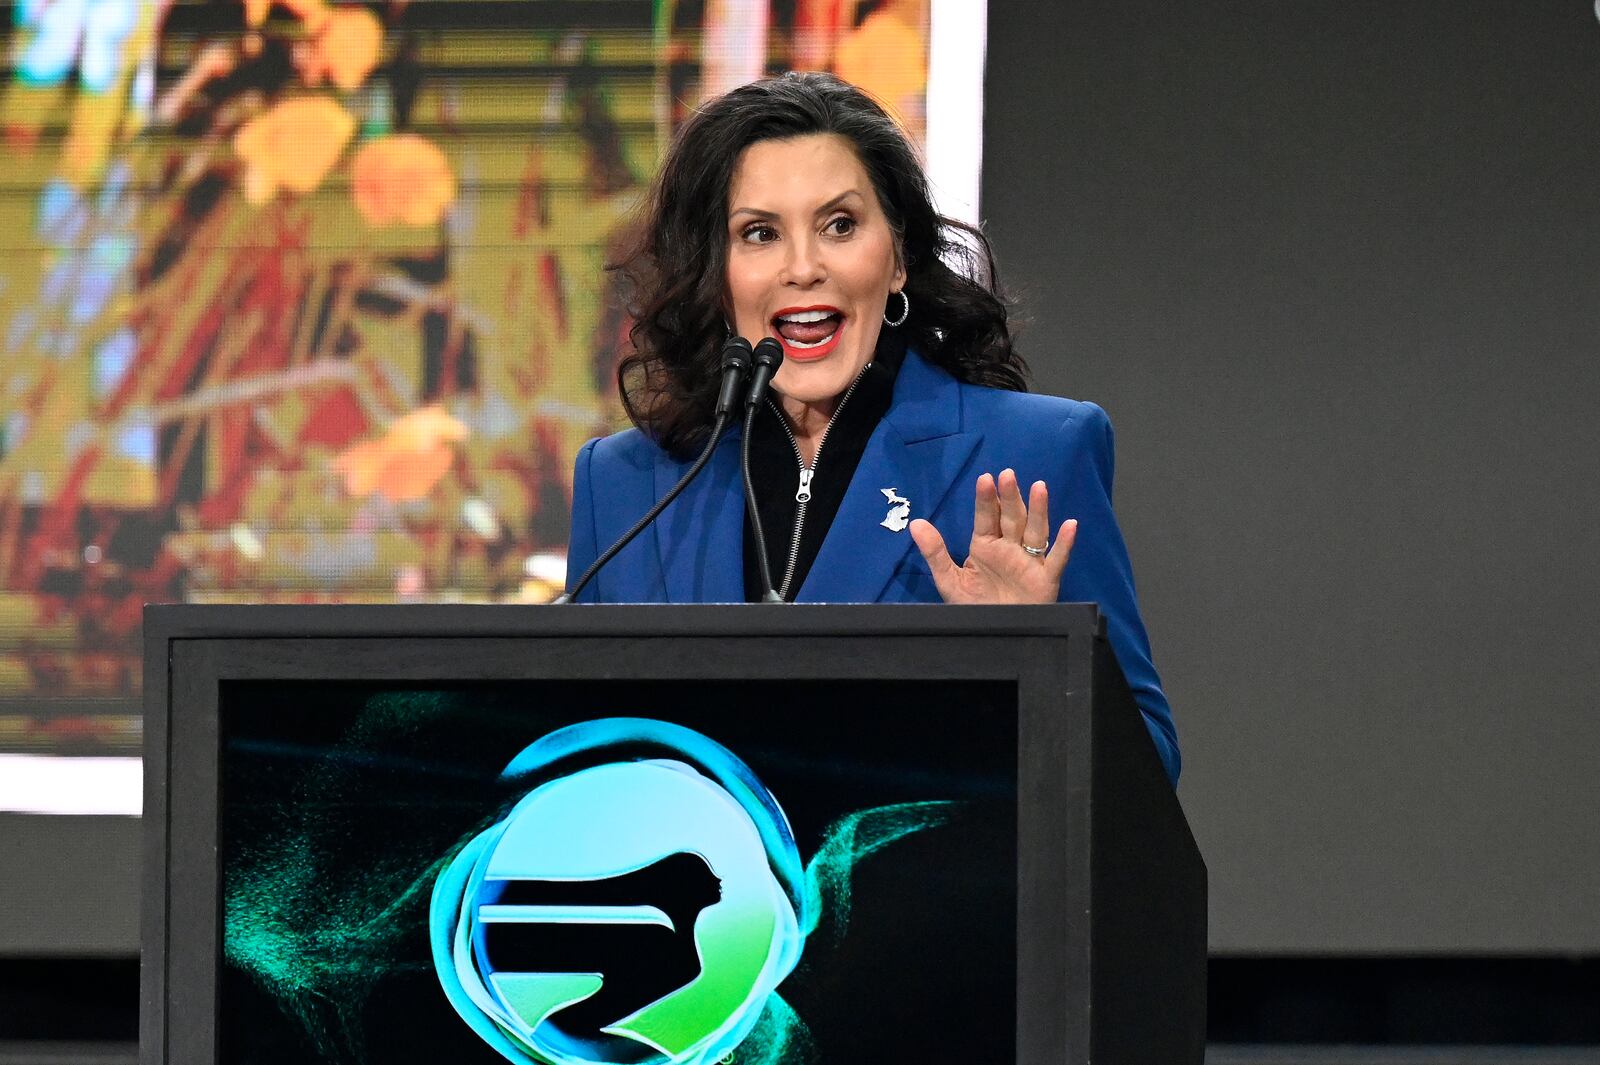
{"x":905,"y":311}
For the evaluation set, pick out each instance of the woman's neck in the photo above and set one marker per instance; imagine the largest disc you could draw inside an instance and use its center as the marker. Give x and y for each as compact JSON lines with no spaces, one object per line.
{"x":808,"y":421}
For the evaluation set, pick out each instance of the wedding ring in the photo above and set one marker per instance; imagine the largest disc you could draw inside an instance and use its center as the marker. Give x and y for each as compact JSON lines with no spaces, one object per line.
{"x":1037,"y":552}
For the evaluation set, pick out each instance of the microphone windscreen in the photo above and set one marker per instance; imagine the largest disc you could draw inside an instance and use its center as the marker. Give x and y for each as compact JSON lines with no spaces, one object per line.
{"x":736,"y":351}
{"x":769,"y":353}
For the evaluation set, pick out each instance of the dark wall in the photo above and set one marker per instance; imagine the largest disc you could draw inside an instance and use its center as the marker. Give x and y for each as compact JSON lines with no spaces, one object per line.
{"x":1333,"y":267}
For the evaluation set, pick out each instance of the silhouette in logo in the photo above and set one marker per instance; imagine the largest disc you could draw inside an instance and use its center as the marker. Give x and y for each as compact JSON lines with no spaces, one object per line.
{"x":635,"y":911}
{"x":641,"y":962}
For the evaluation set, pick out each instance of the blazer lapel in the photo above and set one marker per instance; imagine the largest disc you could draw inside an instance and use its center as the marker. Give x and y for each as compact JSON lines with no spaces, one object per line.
{"x":919,"y":451}
{"x":700,"y":536}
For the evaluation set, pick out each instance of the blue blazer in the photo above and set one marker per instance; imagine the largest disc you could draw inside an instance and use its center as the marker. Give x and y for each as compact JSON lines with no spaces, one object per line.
{"x":937,"y":437}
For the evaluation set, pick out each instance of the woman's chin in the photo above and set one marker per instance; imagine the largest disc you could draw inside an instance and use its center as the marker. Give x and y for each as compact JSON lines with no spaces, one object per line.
{"x":812,"y":383}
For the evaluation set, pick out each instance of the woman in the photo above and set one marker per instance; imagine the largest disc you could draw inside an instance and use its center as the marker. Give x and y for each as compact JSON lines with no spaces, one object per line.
{"x":795,"y":208}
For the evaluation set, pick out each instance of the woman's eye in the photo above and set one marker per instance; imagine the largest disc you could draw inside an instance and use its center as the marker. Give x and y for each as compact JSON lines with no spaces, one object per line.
{"x":842,"y":226}
{"x":759,"y":234}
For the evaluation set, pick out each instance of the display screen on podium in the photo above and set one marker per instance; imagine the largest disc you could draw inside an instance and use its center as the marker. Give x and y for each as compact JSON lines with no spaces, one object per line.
{"x":725,"y":871}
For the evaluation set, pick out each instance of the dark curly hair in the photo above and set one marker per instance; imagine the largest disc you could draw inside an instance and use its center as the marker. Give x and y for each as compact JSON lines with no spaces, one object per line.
{"x":676,"y":270}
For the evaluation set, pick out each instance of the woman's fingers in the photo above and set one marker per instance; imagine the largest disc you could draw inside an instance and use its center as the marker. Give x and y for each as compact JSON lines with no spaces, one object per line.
{"x":1037,"y":531}
{"x":1013,"y":511}
{"x":931,"y":544}
{"x":1056,"y":561}
{"x":986,"y":509}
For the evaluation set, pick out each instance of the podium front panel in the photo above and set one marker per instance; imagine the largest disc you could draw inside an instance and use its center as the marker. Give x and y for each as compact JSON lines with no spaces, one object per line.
{"x":620,"y":834}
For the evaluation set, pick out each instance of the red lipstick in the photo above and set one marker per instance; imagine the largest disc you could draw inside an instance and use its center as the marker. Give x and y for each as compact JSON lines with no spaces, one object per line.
{"x":809,"y":354}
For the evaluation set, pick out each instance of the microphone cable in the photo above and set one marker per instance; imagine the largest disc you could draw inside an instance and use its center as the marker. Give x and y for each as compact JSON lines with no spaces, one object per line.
{"x":768,"y":357}
{"x":735,"y":364}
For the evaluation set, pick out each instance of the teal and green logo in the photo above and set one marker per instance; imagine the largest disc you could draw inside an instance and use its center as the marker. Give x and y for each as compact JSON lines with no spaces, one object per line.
{"x":638,"y":906}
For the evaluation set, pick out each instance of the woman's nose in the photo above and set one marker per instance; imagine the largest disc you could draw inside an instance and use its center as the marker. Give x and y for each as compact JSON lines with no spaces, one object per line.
{"x":804,"y":266}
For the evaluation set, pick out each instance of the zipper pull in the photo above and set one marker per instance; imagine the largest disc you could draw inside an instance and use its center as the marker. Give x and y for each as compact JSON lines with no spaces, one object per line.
{"x":803,"y":495}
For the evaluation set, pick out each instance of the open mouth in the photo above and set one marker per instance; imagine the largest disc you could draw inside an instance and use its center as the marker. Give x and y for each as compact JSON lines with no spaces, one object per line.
{"x":808,"y":333}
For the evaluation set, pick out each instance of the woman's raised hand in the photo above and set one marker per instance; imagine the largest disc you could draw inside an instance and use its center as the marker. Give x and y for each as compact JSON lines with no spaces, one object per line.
{"x":999,"y":568}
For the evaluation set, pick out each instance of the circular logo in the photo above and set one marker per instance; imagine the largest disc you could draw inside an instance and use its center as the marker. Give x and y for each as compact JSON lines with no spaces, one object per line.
{"x":637,"y":906}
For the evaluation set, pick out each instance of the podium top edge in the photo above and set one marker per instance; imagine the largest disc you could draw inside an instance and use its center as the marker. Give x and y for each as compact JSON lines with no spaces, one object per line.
{"x":462,"y":620}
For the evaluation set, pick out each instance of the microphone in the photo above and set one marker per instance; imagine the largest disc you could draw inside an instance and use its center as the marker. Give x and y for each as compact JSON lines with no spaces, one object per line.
{"x":735,"y":364}
{"x":736,"y":356}
{"x":768,"y":357}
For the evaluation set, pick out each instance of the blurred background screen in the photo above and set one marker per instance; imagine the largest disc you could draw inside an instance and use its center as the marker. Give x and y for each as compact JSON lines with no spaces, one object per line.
{"x":306,"y":301}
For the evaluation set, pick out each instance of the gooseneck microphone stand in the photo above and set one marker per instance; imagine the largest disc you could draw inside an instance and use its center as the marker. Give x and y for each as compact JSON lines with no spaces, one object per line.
{"x":768,"y":357}
{"x":736,"y":356}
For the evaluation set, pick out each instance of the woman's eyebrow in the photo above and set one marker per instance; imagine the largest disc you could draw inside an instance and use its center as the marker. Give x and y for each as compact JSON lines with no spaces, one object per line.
{"x":833,"y":204}
{"x":838,"y":201}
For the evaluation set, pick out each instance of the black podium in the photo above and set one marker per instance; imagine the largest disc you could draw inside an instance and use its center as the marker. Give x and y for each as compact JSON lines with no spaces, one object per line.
{"x":480,"y":834}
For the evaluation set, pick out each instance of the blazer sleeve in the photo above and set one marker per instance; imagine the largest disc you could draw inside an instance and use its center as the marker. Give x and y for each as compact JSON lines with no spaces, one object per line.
{"x":1099,"y":570}
{"x":582,"y":545}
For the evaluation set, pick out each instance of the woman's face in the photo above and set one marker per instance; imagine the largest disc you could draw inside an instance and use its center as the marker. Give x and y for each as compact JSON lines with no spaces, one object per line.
{"x":811,"y":261}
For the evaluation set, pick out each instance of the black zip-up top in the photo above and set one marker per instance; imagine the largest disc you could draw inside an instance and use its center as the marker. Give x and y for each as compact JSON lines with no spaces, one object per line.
{"x":797,"y":503}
